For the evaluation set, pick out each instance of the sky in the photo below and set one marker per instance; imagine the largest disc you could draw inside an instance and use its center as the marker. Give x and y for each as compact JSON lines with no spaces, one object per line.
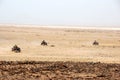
{"x":61,"y":12}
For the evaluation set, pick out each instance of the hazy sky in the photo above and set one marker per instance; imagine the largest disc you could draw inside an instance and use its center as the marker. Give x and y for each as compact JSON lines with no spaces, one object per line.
{"x":61,"y":12}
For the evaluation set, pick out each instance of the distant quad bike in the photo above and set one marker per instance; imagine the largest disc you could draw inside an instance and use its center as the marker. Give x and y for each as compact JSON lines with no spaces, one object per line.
{"x":16,"y":49}
{"x":44,"y":43}
{"x":95,"y":43}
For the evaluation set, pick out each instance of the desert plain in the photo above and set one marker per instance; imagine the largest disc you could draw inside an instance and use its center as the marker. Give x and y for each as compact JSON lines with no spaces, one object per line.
{"x":66,"y":46}
{"x":63,"y":44}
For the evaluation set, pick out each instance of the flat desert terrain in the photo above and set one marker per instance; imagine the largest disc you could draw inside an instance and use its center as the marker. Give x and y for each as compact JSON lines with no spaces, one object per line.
{"x":69,"y":54}
{"x":63,"y":44}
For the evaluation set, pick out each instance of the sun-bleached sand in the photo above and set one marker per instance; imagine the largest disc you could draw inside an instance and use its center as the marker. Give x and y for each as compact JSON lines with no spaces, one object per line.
{"x":70,"y":44}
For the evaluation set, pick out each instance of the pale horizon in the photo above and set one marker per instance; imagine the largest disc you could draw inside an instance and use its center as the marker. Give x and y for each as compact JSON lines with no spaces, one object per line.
{"x":63,"y":27}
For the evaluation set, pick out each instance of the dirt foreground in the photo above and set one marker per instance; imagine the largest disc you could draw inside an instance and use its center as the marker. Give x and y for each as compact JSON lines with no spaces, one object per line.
{"x":37,"y":70}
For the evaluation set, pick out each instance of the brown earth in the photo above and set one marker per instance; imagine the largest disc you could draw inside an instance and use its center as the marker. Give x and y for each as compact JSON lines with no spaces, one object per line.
{"x":37,"y":70}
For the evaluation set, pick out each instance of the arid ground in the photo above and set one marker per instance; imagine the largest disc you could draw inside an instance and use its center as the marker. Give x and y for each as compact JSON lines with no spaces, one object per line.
{"x":73,"y":45}
{"x":36,"y":70}
{"x":69,"y":44}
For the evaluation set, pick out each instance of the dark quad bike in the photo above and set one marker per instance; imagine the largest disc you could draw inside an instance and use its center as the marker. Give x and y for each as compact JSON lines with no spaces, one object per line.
{"x":16,"y":49}
{"x":95,"y":43}
{"x":44,"y":43}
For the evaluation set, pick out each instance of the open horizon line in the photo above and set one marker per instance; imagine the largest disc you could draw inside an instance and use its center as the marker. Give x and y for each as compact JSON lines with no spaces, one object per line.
{"x":62,"y":26}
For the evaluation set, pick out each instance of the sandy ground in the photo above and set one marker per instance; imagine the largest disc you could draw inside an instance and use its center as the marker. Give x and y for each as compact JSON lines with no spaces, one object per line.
{"x":69,"y":44}
{"x":37,"y":70}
